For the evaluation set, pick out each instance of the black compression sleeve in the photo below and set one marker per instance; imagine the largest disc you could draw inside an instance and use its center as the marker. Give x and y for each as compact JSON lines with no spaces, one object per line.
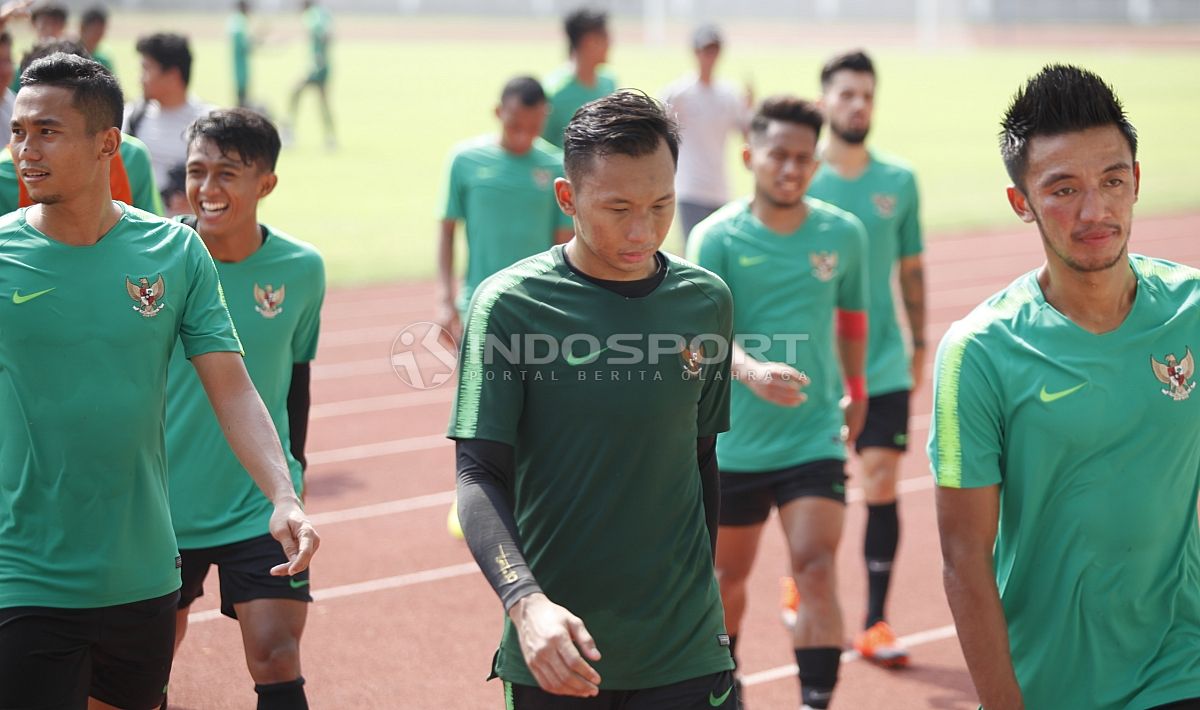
{"x":710,"y":480}
{"x":485,"y":510}
{"x":299,"y":400}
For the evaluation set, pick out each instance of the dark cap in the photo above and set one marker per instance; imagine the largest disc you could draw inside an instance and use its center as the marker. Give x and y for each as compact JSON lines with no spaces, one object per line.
{"x":706,"y":35}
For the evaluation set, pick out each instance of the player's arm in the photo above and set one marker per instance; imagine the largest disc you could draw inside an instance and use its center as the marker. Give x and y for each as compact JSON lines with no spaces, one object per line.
{"x":299,"y":402}
{"x":252,"y":436}
{"x":912,"y":289}
{"x":852,"y":352}
{"x":967,"y":521}
{"x":776,"y":382}
{"x":710,"y":484}
{"x":447,"y":315}
{"x":551,"y":637}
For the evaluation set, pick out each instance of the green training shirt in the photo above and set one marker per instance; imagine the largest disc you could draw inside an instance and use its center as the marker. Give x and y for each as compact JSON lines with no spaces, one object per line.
{"x":319,"y":24}
{"x":239,"y":40}
{"x":1093,"y":442}
{"x":885,"y":199}
{"x":87,"y":335}
{"x":274,"y":297}
{"x":607,"y":491}
{"x":507,"y":203}
{"x":566,"y":95}
{"x":787,"y":288}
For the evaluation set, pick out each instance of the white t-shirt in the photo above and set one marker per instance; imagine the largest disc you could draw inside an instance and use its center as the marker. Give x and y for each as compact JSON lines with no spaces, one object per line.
{"x":707,"y":114}
{"x":162,"y":132}
{"x":6,"y":109}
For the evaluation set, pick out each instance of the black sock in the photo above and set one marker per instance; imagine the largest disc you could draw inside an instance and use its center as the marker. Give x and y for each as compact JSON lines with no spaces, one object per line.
{"x":879,"y":549}
{"x":818,"y":674}
{"x":288,"y":695}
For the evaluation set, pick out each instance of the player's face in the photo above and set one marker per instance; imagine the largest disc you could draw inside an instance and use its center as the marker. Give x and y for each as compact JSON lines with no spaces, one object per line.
{"x":623,"y":207}
{"x":55,"y":155}
{"x":520,"y":124}
{"x":153,"y":78}
{"x":593,"y":47}
{"x":783,"y":160}
{"x":49,"y":27}
{"x":706,"y":57}
{"x":848,"y":102}
{"x":1080,"y":189}
{"x":223,"y":191}
{"x":91,"y":34}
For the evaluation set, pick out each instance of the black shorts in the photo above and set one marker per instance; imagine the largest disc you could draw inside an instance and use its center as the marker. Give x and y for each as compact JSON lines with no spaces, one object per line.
{"x":53,"y":659}
{"x":887,"y":423}
{"x":746,"y":498}
{"x":245,"y":571}
{"x":703,"y":693}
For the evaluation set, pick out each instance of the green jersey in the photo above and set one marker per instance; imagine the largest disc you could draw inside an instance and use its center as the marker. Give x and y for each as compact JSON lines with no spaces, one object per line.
{"x":88,"y":332}
{"x":319,"y":24}
{"x":602,"y":398}
{"x":131,"y":177}
{"x":1092,"y":440}
{"x":884,"y":198}
{"x":566,"y":94}
{"x":274,"y":297}
{"x":104,"y":57}
{"x":787,"y":288}
{"x":507,"y":202}
{"x":239,"y":40}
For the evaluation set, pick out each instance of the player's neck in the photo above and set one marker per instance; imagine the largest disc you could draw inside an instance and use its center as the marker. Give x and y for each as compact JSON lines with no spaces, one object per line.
{"x":237,"y":245}
{"x":706,"y":77}
{"x":780,"y":219}
{"x":1097,"y":301}
{"x":585,"y":72}
{"x":506,"y":144}
{"x":173,"y":99}
{"x":848,"y":160}
{"x":80,"y":221}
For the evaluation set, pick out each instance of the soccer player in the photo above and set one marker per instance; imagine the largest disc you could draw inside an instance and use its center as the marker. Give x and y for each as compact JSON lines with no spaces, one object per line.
{"x":582,"y":476}
{"x":92,"y":27}
{"x":582,"y":79}
{"x":97,"y":295}
{"x":274,"y":286}
{"x":1064,"y":439}
{"x":242,"y":44}
{"x":319,"y":24}
{"x":131,"y":179}
{"x":708,"y":111}
{"x":882,"y":192}
{"x":795,"y":266}
{"x":49,"y":20}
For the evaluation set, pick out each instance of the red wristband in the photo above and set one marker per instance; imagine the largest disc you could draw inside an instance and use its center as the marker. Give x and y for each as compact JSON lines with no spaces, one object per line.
{"x":856,"y":388}
{"x":852,"y":325}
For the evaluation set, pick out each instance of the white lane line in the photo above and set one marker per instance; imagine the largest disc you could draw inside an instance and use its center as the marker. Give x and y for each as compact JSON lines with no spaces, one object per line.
{"x":912,"y":640}
{"x":349,"y":407}
{"x":391,"y":507}
{"x":382,"y":448}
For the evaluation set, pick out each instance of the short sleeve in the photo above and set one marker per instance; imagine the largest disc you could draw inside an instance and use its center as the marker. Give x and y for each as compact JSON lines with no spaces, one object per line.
{"x":911,"y":242}
{"x":852,"y":285}
{"x":454,"y":198}
{"x":712,"y":416}
{"x":965,"y":432}
{"x":206,"y":326}
{"x":138,"y":169}
{"x":491,"y":392}
{"x":308,"y":329}
{"x":706,"y":248}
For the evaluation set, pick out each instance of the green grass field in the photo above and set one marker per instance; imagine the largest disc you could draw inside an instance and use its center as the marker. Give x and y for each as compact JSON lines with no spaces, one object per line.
{"x":406,"y":90}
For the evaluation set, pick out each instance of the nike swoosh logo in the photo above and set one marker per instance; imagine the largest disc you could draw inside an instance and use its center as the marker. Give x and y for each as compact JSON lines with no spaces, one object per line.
{"x":1049,"y":397}
{"x":585,"y":360}
{"x":298,"y":583}
{"x":752,"y":260}
{"x":718,"y":700}
{"x":19,"y":299}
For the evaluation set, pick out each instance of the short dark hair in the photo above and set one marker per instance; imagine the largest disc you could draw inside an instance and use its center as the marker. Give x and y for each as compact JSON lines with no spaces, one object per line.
{"x":582,"y":22}
{"x":855,"y":60}
{"x":239,"y":130}
{"x":49,"y":9}
{"x":97,"y":95}
{"x":170,"y":50}
{"x":50,"y":46}
{"x":96,"y":14}
{"x":1059,"y":99}
{"x":786,"y":109}
{"x":525,"y":89}
{"x":628,"y":122}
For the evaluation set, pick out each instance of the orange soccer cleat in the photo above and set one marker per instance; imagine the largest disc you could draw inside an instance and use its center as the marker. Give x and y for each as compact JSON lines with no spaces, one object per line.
{"x":879,"y":645}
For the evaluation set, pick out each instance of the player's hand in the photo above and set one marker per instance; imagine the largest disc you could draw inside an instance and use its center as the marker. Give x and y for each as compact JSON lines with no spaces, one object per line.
{"x":552,"y":640}
{"x":855,"y":412}
{"x":447,"y":319}
{"x":291,"y":527}
{"x":918,"y":366}
{"x":777,"y":382}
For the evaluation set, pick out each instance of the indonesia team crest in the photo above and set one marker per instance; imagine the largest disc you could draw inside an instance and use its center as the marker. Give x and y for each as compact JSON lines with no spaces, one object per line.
{"x":269,"y":300}
{"x":147,"y":297}
{"x":542,"y":177}
{"x":824,"y":264}
{"x":1175,"y":374}
{"x":885,"y":205}
{"x":693,"y":360}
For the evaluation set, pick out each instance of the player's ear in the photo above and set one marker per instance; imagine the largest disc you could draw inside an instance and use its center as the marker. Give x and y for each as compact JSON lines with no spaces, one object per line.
{"x":1137,"y":179}
{"x":110,"y":142}
{"x":564,"y":192}
{"x":266,"y":184}
{"x":1020,"y":204}
{"x":746,"y":156}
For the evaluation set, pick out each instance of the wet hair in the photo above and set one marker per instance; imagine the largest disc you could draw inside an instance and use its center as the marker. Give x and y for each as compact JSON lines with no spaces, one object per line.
{"x":54,"y":10}
{"x":582,"y":22}
{"x":96,"y":14}
{"x":628,"y":122}
{"x":524,"y":89}
{"x":1059,"y":99}
{"x":856,"y":60}
{"x":50,"y":46}
{"x":170,"y":50}
{"x":240,"y":131}
{"x":96,"y":93}
{"x":786,"y":109}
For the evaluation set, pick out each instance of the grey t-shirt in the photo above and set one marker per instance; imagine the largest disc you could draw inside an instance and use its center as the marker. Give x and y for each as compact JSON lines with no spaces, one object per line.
{"x":162,"y":132}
